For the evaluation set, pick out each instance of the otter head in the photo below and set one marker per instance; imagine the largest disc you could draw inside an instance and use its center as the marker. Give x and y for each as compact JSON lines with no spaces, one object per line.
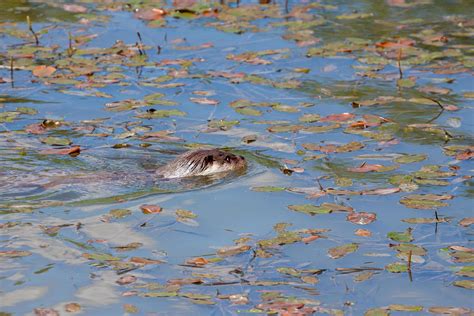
{"x":203,"y":162}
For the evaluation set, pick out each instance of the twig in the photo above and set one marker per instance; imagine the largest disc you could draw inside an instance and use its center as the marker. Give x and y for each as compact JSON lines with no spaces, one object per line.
{"x":399,"y":63}
{"x":30,"y":27}
{"x":409,"y":266}
{"x":11,"y":72}
{"x":70,"y":49}
{"x":141,"y":43}
{"x":441,"y":107}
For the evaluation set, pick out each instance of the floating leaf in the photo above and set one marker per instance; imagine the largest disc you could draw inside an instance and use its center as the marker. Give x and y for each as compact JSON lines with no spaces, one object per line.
{"x":405,"y":236}
{"x":119,"y":213}
{"x":363,"y":232}
{"x":396,"y":267}
{"x":128,"y":247}
{"x":126,"y":279}
{"x":467,"y":284}
{"x":14,"y":253}
{"x":410,"y":158}
{"x":341,"y":251}
{"x":151,"y":209}
{"x":72,"y":307}
{"x":233,"y":250}
{"x":405,"y":308}
{"x":72,"y":151}
{"x":204,"y":101}
{"x":268,"y":189}
{"x":407,"y":248}
{"x":100,"y":257}
{"x":56,"y":141}
{"x":324,"y":208}
{"x":43,"y":71}
{"x":467,"y":271}
{"x":425,"y":201}
{"x":361,"y":218}
{"x":161,"y":114}
{"x":185,"y":214}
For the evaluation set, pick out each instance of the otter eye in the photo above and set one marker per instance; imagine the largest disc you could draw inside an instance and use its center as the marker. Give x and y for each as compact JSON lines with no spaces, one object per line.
{"x":227,"y":158}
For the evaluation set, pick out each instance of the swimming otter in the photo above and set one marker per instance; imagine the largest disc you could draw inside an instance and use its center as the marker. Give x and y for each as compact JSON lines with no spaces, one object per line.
{"x":202,"y":162}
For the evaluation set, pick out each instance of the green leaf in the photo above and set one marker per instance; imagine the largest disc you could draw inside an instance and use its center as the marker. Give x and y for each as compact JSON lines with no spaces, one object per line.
{"x":341,"y":251}
{"x":268,"y":189}
{"x":119,"y":213}
{"x":396,"y":267}
{"x":56,"y":141}
{"x":467,"y":284}
{"x":410,"y":158}
{"x":405,"y":236}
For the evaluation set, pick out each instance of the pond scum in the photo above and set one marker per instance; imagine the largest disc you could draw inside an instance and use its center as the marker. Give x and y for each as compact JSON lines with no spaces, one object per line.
{"x":356,"y":118}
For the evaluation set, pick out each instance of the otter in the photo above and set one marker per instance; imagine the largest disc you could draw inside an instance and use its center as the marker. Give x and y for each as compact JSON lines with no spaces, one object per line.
{"x":202,"y":162}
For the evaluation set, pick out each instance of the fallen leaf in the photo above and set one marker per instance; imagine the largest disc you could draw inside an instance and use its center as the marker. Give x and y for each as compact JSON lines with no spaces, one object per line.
{"x":43,"y":71}
{"x":233,"y":250}
{"x":42,"y":311}
{"x":72,"y":151}
{"x":197,"y":261}
{"x":74,"y":8}
{"x":72,"y":307}
{"x":341,"y":251}
{"x":151,"y":209}
{"x":363,"y":232}
{"x":361,"y":218}
{"x":465,"y":222}
{"x":126,"y":279}
{"x":204,"y":101}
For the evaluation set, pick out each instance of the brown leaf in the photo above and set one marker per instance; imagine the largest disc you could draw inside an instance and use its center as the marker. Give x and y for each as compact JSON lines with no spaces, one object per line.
{"x":151,"y":209}
{"x":145,"y":261}
{"x":43,"y":71}
{"x":465,"y":155}
{"x":361,"y":218}
{"x":197,"y":261}
{"x":45,"y":312}
{"x":72,"y":307}
{"x":465,"y":222}
{"x":74,"y":8}
{"x":233,"y":250}
{"x":309,"y":239}
{"x":73,"y":151}
{"x":342,"y":117}
{"x":35,"y":129}
{"x":401,"y":43}
{"x":126,"y":279}
{"x":185,"y":281}
{"x":381,"y":191}
{"x":363,"y":232}
{"x":204,"y":101}
{"x":150,"y":14}
{"x":366,"y":168}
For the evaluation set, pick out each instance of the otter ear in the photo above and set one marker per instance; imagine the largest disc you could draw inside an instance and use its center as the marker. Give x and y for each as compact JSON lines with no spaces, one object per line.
{"x":209,"y":159}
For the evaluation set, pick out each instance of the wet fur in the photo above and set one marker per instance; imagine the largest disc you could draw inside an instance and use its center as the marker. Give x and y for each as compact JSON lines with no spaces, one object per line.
{"x":202,"y":162}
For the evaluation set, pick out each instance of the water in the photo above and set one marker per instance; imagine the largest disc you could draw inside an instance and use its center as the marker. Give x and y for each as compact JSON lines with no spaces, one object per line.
{"x":59,"y":213}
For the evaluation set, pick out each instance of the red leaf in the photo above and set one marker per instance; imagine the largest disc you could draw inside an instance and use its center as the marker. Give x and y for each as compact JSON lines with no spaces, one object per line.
{"x":73,"y":151}
{"x":366,"y":168}
{"x":150,"y":14}
{"x":342,"y":117}
{"x":151,"y":209}
{"x":401,"y":43}
{"x":43,"y":71}
{"x":361,"y":218}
